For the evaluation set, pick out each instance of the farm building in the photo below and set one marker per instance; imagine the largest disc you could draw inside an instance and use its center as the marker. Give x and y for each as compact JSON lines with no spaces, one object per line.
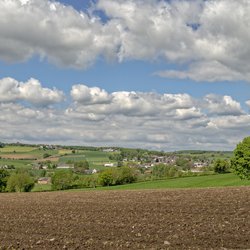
{"x":44,"y":180}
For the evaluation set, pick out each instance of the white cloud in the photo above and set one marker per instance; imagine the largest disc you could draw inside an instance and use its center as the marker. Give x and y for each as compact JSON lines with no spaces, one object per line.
{"x":207,"y":72}
{"x":212,"y":37}
{"x":222,"y":105}
{"x":53,"y":31}
{"x":248,"y":103}
{"x":128,"y":119}
{"x":31,"y":91}
{"x":84,"y":95}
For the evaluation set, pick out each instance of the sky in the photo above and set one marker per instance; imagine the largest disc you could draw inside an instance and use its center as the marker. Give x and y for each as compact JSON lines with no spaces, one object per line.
{"x":155,"y":74}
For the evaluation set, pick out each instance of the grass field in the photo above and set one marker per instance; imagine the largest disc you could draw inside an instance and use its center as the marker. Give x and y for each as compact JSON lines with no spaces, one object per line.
{"x":220,"y":180}
{"x":96,"y":159}
{"x":16,"y":163}
{"x":17,"y":149}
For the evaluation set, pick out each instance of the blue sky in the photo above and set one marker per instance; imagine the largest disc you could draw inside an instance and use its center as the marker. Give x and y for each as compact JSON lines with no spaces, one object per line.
{"x":94,"y":63}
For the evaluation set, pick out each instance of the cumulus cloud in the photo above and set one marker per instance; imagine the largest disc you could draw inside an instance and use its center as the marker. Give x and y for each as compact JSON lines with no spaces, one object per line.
{"x":212,"y":42}
{"x":59,"y":33}
{"x":129,"y":119}
{"x":127,"y":103}
{"x":225,"y":105}
{"x":248,"y":103}
{"x":31,"y":91}
{"x":84,"y":95}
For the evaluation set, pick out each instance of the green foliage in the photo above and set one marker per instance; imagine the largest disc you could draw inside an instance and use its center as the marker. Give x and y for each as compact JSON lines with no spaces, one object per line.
{"x":117,"y":176}
{"x":126,"y":175}
{"x":20,"y":182}
{"x":62,"y":179}
{"x":219,"y":180}
{"x":162,"y":171}
{"x":46,"y":155}
{"x":240,"y":162}
{"x":107,"y":177}
{"x":4,"y":175}
{"x":221,"y":166}
{"x":184,"y":163}
{"x":86,"y":181}
{"x":81,"y":166}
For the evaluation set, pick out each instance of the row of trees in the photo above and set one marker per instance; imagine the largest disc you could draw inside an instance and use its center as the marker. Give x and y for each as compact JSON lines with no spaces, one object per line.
{"x":66,"y":179}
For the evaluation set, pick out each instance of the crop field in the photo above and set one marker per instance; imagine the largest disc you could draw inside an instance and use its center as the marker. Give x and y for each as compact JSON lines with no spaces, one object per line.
{"x":215,"y":218}
{"x":19,"y":156}
{"x":18,"y":149}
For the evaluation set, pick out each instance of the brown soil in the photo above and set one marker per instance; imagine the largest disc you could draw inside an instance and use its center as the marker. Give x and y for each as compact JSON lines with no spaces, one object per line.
{"x":152,"y":219}
{"x":52,"y":159}
{"x":18,"y":156}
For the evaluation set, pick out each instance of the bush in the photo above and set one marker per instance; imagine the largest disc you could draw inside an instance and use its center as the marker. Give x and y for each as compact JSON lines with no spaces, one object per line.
{"x":4,"y":175}
{"x":62,"y":179}
{"x":20,"y":182}
{"x":162,"y":171}
{"x":86,"y":181}
{"x":221,"y":166}
{"x":108,"y":177}
{"x":127,"y":175}
{"x":81,"y":166}
{"x":46,"y":155}
{"x":117,"y":176}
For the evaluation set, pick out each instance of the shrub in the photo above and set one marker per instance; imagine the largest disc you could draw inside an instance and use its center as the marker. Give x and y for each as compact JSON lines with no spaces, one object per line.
{"x":4,"y":175}
{"x":108,"y":177}
{"x":62,"y":179}
{"x":221,"y":166}
{"x":117,"y":176}
{"x":46,"y":155}
{"x":81,"y":166}
{"x":127,"y":175}
{"x":20,"y":182}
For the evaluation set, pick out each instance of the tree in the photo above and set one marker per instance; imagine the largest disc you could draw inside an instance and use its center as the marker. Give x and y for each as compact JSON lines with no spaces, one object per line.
{"x":81,"y":166}
{"x":127,"y":175}
{"x":240,"y":162}
{"x":221,"y":166}
{"x":108,"y":177}
{"x":20,"y":182}
{"x":62,"y":179}
{"x":4,"y":174}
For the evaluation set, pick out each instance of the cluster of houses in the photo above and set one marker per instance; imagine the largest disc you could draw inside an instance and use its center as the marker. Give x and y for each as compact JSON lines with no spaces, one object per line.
{"x":47,"y":147}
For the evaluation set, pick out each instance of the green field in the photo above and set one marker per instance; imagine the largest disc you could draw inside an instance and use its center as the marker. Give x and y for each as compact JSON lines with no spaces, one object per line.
{"x":17,"y":149}
{"x":41,"y":188}
{"x":219,"y":180}
{"x":96,"y":159}
{"x":16,"y":163}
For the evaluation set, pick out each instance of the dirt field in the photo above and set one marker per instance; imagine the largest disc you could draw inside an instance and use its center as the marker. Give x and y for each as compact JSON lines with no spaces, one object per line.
{"x":160,"y":219}
{"x":18,"y":156}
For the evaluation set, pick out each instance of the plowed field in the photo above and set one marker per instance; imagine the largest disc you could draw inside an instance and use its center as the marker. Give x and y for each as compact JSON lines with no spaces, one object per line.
{"x":149,"y":219}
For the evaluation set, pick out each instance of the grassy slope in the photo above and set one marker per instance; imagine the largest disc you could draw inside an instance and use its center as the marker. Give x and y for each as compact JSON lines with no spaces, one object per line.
{"x":222,"y":180}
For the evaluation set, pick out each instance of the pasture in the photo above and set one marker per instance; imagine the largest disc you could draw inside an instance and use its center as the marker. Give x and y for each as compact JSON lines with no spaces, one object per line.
{"x":206,"y":181}
{"x":217,"y":218}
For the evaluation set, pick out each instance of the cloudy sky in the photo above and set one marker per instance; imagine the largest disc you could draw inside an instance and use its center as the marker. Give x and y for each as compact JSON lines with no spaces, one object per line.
{"x":155,"y":74}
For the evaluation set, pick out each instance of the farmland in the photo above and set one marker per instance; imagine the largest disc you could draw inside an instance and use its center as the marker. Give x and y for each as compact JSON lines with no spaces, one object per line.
{"x":225,"y":180}
{"x":150,"y":219}
{"x":26,"y":156}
